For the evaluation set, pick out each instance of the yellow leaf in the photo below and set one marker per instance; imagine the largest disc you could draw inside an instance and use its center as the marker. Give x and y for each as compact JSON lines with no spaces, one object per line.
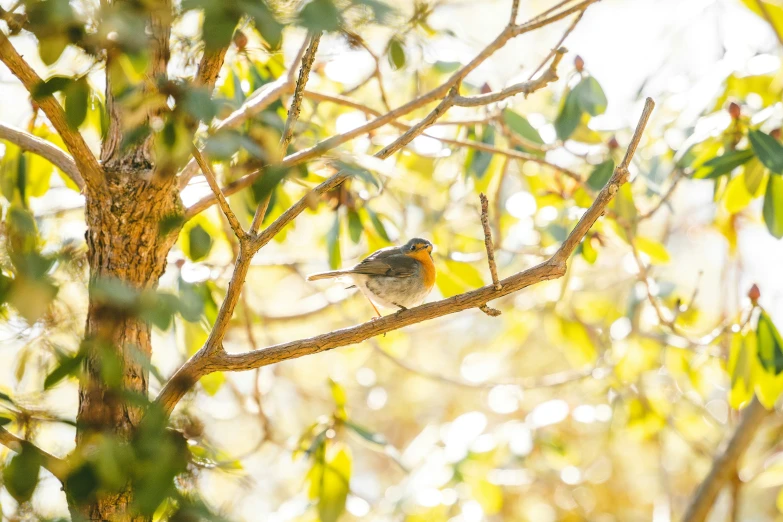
{"x":654,"y":250}
{"x":737,"y":196}
{"x":773,"y":9}
{"x":741,"y":355}
{"x":489,"y":495}
{"x":573,"y":337}
{"x":212,"y":382}
{"x":466,"y":272}
{"x":334,"y":483}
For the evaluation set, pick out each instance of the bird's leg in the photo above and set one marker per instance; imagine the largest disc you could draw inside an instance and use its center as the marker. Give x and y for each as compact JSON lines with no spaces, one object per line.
{"x":374,"y":308}
{"x":401,"y":308}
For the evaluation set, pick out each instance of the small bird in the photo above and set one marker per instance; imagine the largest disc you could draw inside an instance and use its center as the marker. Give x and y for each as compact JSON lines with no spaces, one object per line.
{"x":392,"y":277}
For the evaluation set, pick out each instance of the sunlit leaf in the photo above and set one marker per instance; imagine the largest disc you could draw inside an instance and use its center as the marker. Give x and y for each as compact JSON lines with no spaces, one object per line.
{"x":654,"y":250}
{"x":741,"y":356}
{"x":396,"y":54}
{"x":773,"y":206}
{"x":590,"y":96}
{"x":335,"y":484}
{"x":737,"y":197}
{"x":600,"y":175}
{"x":754,"y":177}
{"x":200,"y":243}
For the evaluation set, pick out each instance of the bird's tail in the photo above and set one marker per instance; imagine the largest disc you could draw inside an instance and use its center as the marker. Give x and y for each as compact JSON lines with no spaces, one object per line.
{"x":326,"y":275}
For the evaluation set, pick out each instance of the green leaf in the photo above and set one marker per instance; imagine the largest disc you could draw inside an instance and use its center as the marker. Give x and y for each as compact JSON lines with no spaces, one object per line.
{"x":396,"y":54}
{"x":200,"y":243}
{"x":478,"y":160}
{"x":69,"y":365}
{"x":334,"y":485}
{"x":773,"y":206}
{"x":333,"y":243}
{"x":770,"y":345}
{"x":20,"y":476}
{"x":600,"y":175}
{"x":374,"y":438}
{"x":77,"y":96}
{"x":355,"y":226}
{"x":723,"y":164}
{"x":378,"y":225}
{"x":271,"y":30}
{"x":768,"y":149}
{"x":590,"y":96}
{"x":266,"y":184}
{"x":50,"y":86}
{"x":569,"y":117}
{"x":320,"y":15}
{"x":359,"y":172}
{"x":521,"y":127}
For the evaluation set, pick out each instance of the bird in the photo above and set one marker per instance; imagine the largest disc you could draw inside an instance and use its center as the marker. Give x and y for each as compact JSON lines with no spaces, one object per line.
{"x":392,"y":277}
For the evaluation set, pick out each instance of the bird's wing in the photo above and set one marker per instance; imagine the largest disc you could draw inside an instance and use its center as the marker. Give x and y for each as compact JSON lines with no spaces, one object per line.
{"x":388,"y":263}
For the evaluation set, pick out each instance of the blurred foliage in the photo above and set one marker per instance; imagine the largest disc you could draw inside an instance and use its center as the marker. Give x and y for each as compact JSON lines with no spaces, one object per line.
{"x":529,"y":416}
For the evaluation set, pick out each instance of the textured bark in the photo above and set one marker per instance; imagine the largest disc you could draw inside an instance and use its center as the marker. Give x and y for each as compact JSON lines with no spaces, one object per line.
{"x":124,"y":244}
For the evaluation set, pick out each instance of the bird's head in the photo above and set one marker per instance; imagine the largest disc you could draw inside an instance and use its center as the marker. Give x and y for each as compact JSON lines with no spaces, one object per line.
{"x":417,"y":244}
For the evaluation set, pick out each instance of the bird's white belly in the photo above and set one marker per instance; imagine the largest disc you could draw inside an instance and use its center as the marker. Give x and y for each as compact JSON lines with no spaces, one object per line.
{"x":394,"y":291}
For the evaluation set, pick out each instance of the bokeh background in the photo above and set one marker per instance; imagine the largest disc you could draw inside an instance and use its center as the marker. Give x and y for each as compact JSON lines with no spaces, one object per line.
{"x":602,"y":396}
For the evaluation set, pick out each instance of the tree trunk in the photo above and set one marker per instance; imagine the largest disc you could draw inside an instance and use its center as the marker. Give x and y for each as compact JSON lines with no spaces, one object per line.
{"x":124,"y":244}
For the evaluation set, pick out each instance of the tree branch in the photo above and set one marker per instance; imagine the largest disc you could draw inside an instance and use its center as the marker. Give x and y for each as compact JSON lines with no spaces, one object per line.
{"x":209,"y":68}
{"x":212,"y":358}
{"x":308,"y":58}
{"x":47,"y":150}
{"x":725,"y":464}
{"x":88,"y":165}
{"x":493,"y":269}
{"x":55,"y":465}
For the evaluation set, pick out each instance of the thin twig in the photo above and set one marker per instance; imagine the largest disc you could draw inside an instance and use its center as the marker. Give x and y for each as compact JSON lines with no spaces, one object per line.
{"x":206,"y":168}
{"x":493,"y":269}
{"x":293,"y":116}
{"x":559,"y":43}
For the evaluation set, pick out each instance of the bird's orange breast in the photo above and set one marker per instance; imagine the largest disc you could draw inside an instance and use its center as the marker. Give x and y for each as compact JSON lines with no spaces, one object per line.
{"x":428,"y":267}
